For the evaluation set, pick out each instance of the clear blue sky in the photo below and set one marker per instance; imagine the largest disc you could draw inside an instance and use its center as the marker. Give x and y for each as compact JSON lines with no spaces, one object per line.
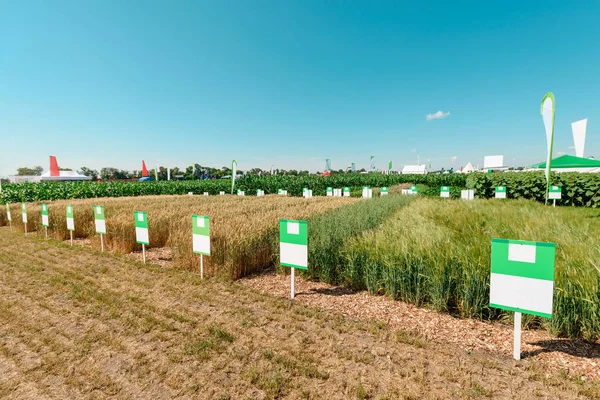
{"x":290,"y":83}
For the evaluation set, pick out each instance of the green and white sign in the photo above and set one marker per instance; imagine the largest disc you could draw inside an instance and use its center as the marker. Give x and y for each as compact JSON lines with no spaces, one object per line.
{"x":337,"y":192}
{"x":24,"y":212}
{"x":330,"y":191}
{"x":260,"y":193}
{"x":282,"y":192}
{"x":45,"y":215}
{"x":206,"y":193}
{"x":346,"y":191}
{"x":293,"y":243}
{"x":201,"y":235}
{"x":8,"y":216}
{"x":445,"y":192}
{"x":70,"y":219}
{"x":555,"y":193}
{"x":522,"y":276}
{"x":500,"y":192}
{"x":141,"y":227}
{"x":99,"y":219}
{"x":221,"y":193}
{"x":384,"y":190}
{"x":307,"y":193}
{"x":413,"y":190}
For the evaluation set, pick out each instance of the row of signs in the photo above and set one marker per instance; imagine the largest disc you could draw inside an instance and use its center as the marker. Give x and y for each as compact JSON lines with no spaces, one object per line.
{"x":555,"y":192}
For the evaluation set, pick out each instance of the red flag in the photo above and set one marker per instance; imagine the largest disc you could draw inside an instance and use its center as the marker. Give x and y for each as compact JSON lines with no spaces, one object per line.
{"x":144,"y":170}
{"x":54,"y":167}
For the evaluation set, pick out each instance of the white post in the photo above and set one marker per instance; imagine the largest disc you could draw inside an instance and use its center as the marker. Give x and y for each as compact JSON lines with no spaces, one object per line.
{"x":554,"y":203}
{"x":292,"y":286}
{"x":46,"y":232}
{"x":144,"y":252}
{"x":201,"y":266}
{"x":102,"y":242}
{"x":517,"y":339}
{"x":71,"y":232}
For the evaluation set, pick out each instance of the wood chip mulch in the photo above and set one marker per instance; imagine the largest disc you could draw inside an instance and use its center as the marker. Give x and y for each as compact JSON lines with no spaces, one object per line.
{"x":577,"y":357}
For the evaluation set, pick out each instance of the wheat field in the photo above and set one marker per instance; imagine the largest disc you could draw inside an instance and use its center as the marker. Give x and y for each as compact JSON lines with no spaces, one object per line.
{"x":244,"y":230}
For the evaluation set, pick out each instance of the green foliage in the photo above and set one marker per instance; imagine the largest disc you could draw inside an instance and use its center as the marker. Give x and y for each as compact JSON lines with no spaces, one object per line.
{"x":46,"y":191}
{"x":30,"y":171}
{"x":578,"y":189}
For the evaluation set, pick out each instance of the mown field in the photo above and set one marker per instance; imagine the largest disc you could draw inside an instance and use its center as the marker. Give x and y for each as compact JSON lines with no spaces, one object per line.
{"x":77,"y":323}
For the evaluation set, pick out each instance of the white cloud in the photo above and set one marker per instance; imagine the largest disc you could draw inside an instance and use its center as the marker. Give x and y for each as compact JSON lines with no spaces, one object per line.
{"x":438,"y":115}
{"x":454,"y":158}
{"x":413,"y":151}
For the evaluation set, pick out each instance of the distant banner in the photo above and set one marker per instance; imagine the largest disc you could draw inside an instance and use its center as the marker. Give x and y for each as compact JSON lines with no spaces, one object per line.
{"x":328,"y":164}
{"x":390,"y":165}
{"x":579,"y":129}
{"x":548,"y":110}
{"x":233,"y":173}
{"x":372,"y":165}
{"x":353,"y":167}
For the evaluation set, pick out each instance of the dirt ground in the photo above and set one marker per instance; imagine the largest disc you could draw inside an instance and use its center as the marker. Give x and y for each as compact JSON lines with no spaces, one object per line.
{"x":575,"y":357}
{"x":75,"y":323}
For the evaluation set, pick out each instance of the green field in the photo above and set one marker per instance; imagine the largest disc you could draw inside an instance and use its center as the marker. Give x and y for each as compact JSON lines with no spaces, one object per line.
{"x":436,"y":252}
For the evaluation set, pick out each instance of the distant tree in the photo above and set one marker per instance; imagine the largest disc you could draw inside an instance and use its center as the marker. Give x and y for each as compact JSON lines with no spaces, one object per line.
{"x":92,"y":173}
{"x":115,"y":173}
{"x":30,"y":171}
{"x":362,"y":170}
{"x":64,"y":169}
{"x":292,"y":172}
{"x":304,"y":172}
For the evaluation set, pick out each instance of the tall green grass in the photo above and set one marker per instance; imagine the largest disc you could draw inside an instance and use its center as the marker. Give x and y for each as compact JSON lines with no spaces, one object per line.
{"x":328,"y":232}
{"x":437,"y":252}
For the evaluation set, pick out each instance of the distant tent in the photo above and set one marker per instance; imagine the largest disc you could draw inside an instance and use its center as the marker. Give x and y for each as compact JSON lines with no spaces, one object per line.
{"x":569,"y":163}
{"x":468,"y":168}
{"x":55,"y":174}
{"x":414,"y":169}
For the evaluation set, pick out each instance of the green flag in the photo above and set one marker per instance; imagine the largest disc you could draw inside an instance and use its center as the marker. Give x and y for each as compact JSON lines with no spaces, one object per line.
{"x":390,"y":165}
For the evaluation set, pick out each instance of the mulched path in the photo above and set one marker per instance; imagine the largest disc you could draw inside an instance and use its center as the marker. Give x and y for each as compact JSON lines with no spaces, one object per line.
{"x":578,"y":357}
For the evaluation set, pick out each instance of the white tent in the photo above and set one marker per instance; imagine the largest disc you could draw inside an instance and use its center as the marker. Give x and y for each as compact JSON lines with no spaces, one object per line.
{"x":414,"y":169}
{"x":468,"y":168}
{"x":55,"y":174}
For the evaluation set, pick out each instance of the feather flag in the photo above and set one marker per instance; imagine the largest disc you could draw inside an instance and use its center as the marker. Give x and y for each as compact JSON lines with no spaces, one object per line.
{"x":390,"y":165}
{"x":548,"y":110}
{"x":328,"y":165}
{"x":372,"y":166}
{"x":353,"y":167}
{"x":144,"y":169}
{"x":579,"y":128}
{"x":233,"y":173}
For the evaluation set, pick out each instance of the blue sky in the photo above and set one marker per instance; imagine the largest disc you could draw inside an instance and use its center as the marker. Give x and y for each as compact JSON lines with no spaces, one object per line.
{"x":290,"y":83}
